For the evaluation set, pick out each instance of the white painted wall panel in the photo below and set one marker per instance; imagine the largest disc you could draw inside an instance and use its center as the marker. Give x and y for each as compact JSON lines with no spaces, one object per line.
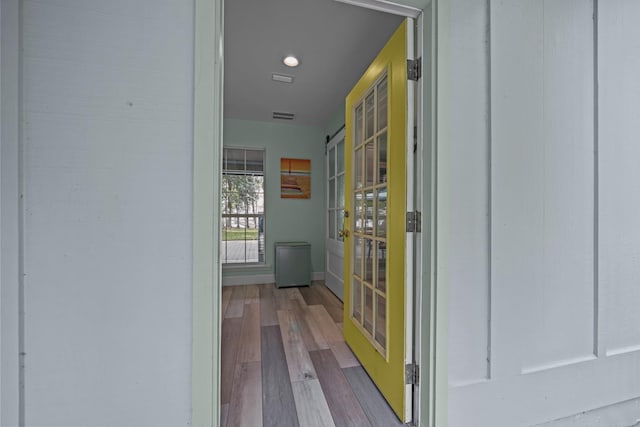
{"x":619,"y":152}
{"x":469,"y":192}
{"x":551,"y":200}
{"x":108,"y":170}
{"x":542,"y":183}
{"x":9,"y":213}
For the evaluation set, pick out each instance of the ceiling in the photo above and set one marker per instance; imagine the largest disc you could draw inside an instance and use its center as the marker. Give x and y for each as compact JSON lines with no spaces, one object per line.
{"x":334,"y":42}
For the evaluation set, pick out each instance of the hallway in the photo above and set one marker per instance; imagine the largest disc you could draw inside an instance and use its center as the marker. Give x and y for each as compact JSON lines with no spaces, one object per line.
{"x":285,"y":362}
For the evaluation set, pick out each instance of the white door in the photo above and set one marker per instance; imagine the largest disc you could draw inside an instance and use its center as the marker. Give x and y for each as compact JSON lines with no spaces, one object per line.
{"x":335,"y":215}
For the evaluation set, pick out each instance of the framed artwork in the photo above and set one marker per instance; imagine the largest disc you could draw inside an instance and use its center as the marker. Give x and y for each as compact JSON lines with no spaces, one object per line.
{"x":295,"y":178}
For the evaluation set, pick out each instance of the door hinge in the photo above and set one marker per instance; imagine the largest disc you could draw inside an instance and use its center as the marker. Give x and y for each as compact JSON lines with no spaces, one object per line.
{"x":414,"y":221}
{"x":412,"y":373}
{"x":414,"y":69}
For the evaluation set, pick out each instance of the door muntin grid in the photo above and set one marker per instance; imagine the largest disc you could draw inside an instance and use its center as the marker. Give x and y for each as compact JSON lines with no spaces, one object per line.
{"x":369,"y":307}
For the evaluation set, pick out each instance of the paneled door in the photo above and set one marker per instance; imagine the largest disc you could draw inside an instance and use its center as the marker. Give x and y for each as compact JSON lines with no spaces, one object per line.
{"x":335,"y":215}
{"x":376,"y":321}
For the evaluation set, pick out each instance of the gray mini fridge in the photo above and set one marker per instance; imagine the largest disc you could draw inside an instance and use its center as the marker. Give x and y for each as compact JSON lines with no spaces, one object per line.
{"x":293,"y":264}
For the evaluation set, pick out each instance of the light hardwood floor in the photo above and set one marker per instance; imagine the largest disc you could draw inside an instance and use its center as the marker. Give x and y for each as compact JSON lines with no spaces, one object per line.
{"x":285,"y":362}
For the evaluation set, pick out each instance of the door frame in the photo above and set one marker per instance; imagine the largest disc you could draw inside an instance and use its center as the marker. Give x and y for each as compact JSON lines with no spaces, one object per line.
{"x":431,"y":306}
{"x":208,"y":85}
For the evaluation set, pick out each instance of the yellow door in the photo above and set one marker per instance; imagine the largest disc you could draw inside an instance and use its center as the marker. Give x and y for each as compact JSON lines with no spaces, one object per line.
{"x":375,"y":210}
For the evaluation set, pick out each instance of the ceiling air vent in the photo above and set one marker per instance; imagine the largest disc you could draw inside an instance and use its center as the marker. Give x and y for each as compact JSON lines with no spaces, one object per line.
{"x":283,"y":78}
{"x":283,"y":116}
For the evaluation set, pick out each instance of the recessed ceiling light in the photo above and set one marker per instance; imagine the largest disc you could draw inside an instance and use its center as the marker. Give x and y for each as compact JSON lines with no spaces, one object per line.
{"x":291,"y":61}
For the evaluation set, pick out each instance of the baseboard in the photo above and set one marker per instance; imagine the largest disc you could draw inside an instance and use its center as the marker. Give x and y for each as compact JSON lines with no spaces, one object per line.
{"x":253,"y":279}
{"x":259,"y":279}
{"x":625,"y":413}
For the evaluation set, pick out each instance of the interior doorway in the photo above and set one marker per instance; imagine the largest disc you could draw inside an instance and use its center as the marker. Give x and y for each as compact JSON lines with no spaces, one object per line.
{"x":214,"y":293}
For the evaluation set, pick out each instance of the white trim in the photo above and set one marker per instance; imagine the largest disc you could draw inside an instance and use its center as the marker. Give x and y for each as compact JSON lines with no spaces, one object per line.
{"x":410,"y":236}
{"x":432,"y":391}
{"x":440,"y":221}
{"x":260,"y":279}
{"x":208,"y":74}
{"x":419,"y":205}
{"x":385,"y":6}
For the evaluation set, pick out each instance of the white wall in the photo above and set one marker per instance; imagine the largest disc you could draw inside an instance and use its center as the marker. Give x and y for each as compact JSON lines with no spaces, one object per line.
{"x":107,"y":140}
{"x":543,"y":195}
{"x":469,"y":207}
{"x":9,"y":224}
{"x":619,"y":183}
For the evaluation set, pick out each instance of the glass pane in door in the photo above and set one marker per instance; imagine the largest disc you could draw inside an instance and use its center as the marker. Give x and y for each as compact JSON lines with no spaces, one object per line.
{"x":381,"y":264}
{"x":357,"y":300}
{"x":340,"y":158}
{"x":340,"y":188}
{"x":332,"y":193}
{"x":381,"y":212}
{"x":358,"y":125}
{"x":358,"y":213}
{"x":332,"y":162}
{"x":368,"y":260}
{"x":382,"y":104}
{"x":357,"y":259}
{"x":368,"y":309}
{"x":369,"y":116}
{"x":369,"y":164}
{"x":340,"y":204}
{"x":358,"y":178}
{"x":381,"y":319}
{"x":368,"y":223}
{"x":332,"y":224}
{"x":381,"y":160}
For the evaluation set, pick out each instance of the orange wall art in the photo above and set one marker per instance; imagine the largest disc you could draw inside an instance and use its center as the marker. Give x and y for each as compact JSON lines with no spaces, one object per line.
{"x":295,"y":178}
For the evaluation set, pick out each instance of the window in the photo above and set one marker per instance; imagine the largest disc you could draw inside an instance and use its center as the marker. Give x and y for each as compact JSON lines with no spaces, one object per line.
{"x":242,"y":206}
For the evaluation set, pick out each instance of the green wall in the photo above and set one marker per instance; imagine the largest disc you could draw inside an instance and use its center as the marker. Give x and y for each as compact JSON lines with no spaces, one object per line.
{"x":286,"y":219}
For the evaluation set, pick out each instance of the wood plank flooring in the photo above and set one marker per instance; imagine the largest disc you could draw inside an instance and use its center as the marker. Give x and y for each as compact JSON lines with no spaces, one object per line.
{"x":285,"y":362}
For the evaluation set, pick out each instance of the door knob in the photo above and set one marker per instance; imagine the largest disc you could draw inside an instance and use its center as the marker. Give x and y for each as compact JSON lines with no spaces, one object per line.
{"x":343,"y":233}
